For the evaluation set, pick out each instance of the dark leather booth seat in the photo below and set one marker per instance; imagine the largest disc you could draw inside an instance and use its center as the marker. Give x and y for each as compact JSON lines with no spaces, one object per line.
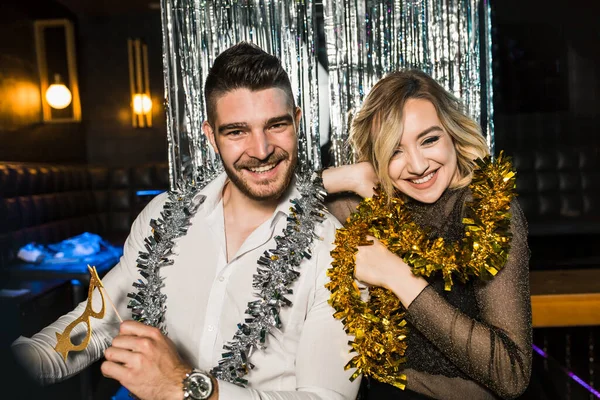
{"x":559,"y":191}
{"x":48,"y":203}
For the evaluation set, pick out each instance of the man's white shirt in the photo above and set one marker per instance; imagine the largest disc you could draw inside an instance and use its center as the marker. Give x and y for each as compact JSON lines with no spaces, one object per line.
{"x":206,"y":299}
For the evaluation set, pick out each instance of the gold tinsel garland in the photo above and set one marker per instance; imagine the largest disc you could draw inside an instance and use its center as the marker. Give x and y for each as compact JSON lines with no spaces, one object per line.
{"x":378,"y":326}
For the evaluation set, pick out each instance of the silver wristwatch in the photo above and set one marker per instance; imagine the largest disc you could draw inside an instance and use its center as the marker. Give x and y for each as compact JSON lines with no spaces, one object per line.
{"x":197,"y":385}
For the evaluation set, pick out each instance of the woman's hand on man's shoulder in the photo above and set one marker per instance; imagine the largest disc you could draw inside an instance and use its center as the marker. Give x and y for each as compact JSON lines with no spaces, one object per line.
{"x":359,"y":178}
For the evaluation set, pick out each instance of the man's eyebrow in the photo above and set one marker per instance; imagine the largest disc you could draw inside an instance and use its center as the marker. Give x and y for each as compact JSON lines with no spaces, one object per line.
{"x":243,"y":125}
{"x":233,"y":125}
{"x":282,"y":118}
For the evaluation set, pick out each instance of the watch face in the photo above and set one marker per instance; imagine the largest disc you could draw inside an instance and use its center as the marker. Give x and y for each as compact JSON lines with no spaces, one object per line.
{"x":199,"y":386}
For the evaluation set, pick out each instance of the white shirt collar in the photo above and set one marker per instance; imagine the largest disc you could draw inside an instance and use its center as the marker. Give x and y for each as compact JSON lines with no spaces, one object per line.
{"x":214,"y":190}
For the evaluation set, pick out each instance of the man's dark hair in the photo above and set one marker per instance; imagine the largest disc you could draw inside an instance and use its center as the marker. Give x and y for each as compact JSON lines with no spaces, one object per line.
{"x":244,"y":65}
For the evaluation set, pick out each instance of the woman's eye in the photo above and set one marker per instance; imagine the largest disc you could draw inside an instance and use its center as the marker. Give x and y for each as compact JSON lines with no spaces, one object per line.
{"x":431,"y":140}
{"x":397,"y":153}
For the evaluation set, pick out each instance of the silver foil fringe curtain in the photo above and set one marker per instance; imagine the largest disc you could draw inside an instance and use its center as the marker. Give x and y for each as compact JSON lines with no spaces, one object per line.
{"x":194,"y":33}
{"x":368,"y":39}
{"x":449,"y":39}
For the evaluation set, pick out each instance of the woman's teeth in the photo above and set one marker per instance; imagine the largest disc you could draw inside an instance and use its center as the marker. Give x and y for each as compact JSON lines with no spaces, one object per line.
{"x":424,"y":179}
{"x":264,"y":168}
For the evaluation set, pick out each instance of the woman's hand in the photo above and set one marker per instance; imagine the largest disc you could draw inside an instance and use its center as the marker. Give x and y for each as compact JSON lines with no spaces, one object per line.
{"x":365,"y":179}
{"x":375,"y":263}
{"x":377,"y":266}
{"x":359,"y":178}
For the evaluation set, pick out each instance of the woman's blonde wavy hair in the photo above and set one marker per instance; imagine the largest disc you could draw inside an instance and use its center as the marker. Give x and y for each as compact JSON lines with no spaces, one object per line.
{"x":376,"y":130}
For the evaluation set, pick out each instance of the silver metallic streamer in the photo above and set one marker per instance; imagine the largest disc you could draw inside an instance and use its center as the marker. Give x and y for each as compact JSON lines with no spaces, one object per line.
{"x":277,"y":270}
{"x":195,"y":32}
{"x":448,"y":39}
{"x":488,"y":122}
{"x":148,"y":304}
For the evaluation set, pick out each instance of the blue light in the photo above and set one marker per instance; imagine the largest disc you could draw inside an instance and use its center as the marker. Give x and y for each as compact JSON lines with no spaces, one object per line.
{"x":148,"y":192}
{"x":585,"y":385}
{"x":540,"y":351}
{"x":577,"y":379}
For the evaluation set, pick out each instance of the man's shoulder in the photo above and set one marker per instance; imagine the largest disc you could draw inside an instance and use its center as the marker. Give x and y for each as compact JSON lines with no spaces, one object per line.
{"x":331,"y":222}
{"x":155,"y":206}
{"x":151,"y":211}
{"x":326,"y":230}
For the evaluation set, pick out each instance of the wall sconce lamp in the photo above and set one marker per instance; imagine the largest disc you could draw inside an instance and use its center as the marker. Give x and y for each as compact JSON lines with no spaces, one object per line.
{"x":139,"y":83}
{"x":58,"y":95}
{"x":55,"y":48}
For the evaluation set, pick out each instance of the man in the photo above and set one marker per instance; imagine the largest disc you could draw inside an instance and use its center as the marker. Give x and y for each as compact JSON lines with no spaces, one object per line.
{"x":252,"y":123}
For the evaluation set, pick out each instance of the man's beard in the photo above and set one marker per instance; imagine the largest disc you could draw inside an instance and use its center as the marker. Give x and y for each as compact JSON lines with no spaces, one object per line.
{"x":272,"y":193}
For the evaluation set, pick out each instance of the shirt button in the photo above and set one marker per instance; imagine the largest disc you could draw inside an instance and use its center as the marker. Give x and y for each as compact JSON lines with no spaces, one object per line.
{"x":211,"y":328}
{"x":221,"y":278}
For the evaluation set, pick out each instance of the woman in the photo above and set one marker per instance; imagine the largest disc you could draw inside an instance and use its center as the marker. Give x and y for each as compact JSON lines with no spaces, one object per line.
{"x":470,"y":342}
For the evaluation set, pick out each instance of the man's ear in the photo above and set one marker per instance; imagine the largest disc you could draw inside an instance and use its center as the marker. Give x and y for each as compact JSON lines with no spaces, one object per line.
{"x":210,"y":134}
{"x":298,"y":117}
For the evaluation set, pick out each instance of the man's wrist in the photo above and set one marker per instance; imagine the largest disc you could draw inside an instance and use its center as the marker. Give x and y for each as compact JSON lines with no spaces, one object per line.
{"x":198,"y":385}
{"x":180,"y":374}
{"x":215,"y":393}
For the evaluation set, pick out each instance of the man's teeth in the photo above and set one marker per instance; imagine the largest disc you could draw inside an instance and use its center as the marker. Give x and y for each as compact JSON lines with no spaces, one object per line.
{"x":264,"y":168}
{"x":424,"y":179}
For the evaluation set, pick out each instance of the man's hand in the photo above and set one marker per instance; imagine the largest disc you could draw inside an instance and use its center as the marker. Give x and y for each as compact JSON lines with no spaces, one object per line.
{"x":146,"y":362}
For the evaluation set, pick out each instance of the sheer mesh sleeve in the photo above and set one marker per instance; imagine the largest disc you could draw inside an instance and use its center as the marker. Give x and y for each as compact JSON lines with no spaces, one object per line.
{"x":341,"y":205}
{"x":494,"y":350}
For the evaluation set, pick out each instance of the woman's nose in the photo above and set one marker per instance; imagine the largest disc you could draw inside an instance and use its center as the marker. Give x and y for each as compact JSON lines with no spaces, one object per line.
{"x":417,"y":164}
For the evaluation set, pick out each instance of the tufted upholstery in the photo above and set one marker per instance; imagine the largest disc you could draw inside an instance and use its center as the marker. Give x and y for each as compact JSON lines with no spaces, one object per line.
{"x":559,"y":191}
{"x":48,"y":203}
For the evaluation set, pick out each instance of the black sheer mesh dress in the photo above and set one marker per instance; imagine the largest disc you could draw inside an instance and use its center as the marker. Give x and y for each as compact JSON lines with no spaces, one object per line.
{"x":473,"y":342}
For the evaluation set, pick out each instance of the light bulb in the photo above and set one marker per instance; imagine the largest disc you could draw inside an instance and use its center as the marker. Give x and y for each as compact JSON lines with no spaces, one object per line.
{"x":58,"y":96}
{"x":142,"y":104}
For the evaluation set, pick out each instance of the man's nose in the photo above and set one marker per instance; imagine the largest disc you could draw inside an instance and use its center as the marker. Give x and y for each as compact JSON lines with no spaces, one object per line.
{"x":260,"y":146}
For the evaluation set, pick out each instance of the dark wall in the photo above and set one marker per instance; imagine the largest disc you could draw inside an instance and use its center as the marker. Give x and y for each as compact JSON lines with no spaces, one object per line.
{"x":23,"y":136}
{"x":105,"y":135}
{"x":546,"y":88}
{"x":111,"y":139}
{"x":546,"y":74}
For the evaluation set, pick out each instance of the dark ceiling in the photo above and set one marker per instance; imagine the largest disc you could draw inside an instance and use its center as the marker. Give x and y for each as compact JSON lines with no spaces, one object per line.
{"x":110,"y":7}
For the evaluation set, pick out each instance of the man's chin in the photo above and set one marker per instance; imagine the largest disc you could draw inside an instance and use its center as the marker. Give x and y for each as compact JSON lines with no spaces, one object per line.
{"x":268,"y":192}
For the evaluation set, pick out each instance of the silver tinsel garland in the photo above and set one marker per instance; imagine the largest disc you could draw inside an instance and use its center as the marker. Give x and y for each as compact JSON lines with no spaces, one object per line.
{"x":148,"y":304}
{"x":277,"y":270}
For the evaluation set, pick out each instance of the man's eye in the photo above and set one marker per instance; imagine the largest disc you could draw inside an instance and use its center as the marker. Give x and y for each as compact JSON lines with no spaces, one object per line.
{"x":278,"y":127}
{"x":234,"y":133}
